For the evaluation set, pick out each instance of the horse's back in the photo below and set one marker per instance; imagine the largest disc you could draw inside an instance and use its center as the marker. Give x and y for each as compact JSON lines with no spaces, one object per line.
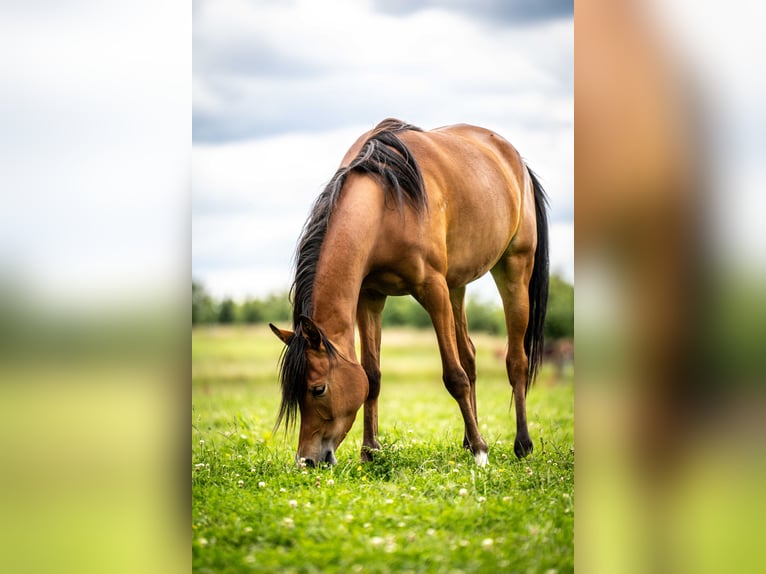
{"x":478,"y":180}
{"x":476,"y":184}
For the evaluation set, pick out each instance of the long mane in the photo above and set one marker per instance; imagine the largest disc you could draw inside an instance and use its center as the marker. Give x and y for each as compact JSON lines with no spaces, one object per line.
{"x":386,"y":158}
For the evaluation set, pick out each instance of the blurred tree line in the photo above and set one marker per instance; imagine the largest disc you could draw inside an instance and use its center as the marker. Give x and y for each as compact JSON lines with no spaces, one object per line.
{"x":399,"y":311}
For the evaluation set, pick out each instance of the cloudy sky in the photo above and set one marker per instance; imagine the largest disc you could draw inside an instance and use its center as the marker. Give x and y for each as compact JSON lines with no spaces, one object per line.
{"x":282,"y":89}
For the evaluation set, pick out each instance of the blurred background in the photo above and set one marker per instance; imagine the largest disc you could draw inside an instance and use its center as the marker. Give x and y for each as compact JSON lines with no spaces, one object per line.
{"x":669,"y":309}
{"x":95,"y":109}
{"x":108,"y":124}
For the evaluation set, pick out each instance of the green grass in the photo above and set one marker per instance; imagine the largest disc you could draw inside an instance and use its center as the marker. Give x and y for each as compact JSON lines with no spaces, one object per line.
{"x":421,"y":506}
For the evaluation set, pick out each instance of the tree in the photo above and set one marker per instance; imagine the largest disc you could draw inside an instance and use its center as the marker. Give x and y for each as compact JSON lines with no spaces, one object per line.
{"x":226,"y":312}
{"x":484,"y":316}
{"x":400,"y":311}
{"x":559,"y":320}
{"x":203,"y":307}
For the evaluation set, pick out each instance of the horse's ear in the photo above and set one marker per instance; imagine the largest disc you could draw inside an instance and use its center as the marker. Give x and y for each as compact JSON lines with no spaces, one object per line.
{"x":284,"y":336}
{"x":311,"y":332}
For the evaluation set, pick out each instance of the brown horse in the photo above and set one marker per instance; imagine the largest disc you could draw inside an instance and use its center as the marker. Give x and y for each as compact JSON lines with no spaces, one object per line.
{"x":416,"y":212}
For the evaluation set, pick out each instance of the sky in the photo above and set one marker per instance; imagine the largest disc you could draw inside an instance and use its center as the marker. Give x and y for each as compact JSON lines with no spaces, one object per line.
{"x":280,"y":91}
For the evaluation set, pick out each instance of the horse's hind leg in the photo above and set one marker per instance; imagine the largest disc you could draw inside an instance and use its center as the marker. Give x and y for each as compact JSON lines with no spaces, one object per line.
{"x":435,"y":297}
{"x":511,"y":275}
{"x":368,"y":317}
{"x":465,"y":347}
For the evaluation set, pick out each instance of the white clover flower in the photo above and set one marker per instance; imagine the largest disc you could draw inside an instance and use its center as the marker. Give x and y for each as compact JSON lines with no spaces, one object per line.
{"x":481,"y":499}
{"x":463,"y":492}
{"x":487,"y":543}
{"x":431,"y":532}
{"x":348,"y":517}
{"x":289,"y":522}
{"x":282,"y":489}
{"x":261,"y":484}
{"x":202,"y":541}
{"x":376,"y":541}
{"x":240,"y":483}
{"x":292,"y":503}
{"x":330,"y":482}
{"x":389,"y":501}
{"x":248,"y":529}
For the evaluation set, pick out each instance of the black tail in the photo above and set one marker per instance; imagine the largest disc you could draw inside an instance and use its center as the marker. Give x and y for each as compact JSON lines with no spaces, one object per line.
{"x":538,"y":284}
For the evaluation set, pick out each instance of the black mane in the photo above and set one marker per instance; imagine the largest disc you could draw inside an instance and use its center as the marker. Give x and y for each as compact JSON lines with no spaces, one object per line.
{"x":385,"y":158}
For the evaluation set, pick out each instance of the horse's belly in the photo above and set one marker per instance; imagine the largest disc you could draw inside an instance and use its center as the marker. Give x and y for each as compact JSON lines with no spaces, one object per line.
{"x":461,"y":275}
{"x":474,"y":249}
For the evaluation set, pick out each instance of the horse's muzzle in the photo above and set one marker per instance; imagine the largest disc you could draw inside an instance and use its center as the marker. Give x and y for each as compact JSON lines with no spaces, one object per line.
{"x":328,"y":457}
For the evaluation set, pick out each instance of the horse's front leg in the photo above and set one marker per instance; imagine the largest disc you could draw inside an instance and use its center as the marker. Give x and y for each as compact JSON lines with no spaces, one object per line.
{"x":368,"y":317}
{"x":435,"y":297}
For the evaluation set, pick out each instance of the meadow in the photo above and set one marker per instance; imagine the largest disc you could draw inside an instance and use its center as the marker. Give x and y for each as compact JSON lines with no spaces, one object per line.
{"x":420,"y":506}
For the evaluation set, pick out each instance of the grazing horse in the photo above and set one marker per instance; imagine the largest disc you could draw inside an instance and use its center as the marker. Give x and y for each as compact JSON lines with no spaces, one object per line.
{"x":424,"y":213}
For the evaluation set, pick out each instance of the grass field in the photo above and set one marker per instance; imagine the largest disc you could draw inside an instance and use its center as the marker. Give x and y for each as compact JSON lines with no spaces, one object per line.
{"x":420,"y":506}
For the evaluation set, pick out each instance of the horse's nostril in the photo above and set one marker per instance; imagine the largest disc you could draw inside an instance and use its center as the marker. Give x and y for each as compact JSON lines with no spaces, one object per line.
{"x":310,"y":462}
{"x":330,"y":457}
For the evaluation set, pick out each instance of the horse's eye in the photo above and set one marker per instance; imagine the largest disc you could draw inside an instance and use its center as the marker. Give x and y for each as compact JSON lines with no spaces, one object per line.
{"x":318,"y":391}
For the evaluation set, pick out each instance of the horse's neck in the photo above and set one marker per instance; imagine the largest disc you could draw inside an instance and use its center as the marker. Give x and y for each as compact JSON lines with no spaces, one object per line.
{"x":344,"y":260}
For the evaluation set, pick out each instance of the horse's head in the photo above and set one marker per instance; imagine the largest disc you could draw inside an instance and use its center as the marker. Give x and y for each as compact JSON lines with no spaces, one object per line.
{"x":327,"y":388}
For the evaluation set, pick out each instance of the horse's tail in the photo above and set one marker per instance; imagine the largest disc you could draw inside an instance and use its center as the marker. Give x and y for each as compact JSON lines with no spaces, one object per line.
{"x":538,"y":284}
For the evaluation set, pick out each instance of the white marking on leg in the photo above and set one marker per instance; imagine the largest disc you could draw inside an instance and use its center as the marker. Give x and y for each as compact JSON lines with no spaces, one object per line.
{"x":481,"y":458}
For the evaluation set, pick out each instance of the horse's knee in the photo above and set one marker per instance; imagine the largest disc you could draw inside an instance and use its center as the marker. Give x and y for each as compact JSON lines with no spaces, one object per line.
{"x":457,"y":383}
{"x":516,"y":367}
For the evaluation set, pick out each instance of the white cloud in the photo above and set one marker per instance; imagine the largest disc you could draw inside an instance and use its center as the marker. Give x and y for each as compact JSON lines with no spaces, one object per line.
{"x":306,"y":65}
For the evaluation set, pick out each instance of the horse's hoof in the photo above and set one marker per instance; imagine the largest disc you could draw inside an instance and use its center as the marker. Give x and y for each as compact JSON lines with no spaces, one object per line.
{"x":522,"y":447}
{"x":481,"y":458}
{"x":367,"y":452}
